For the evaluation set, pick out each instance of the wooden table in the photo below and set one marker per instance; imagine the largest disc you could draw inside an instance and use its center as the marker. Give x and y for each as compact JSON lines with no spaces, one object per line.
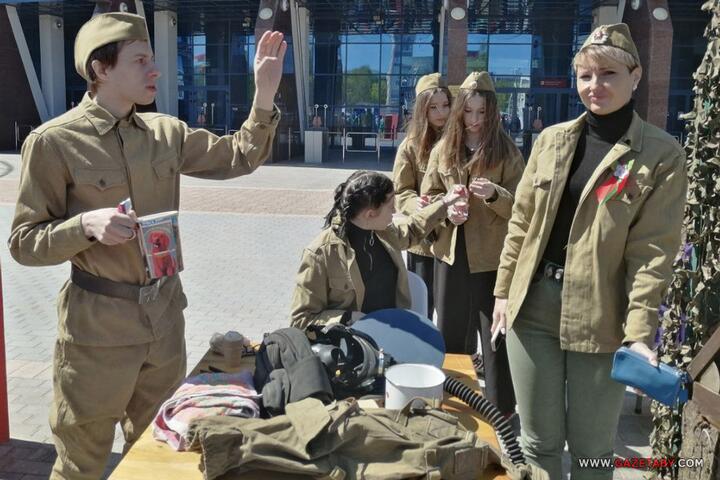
{"x":153,"y":460}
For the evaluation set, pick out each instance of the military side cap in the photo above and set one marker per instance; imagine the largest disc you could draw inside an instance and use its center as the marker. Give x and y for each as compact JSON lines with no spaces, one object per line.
{"x":480,"y":81}
{"x":616,"y":35}
{"x":426,"y":82}
{"x":104,"y":29}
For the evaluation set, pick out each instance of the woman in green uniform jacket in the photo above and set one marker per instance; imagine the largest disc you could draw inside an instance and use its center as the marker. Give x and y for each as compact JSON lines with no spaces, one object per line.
{"x":432,"y":107}
{"x":594,"y":229}
{"x":354,"y":266}
{"x":474,"y":152}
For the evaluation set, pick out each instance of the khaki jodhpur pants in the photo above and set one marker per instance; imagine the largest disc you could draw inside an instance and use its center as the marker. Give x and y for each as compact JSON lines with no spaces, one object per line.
{"x":97,"y":387}
{"x":562,"y":395}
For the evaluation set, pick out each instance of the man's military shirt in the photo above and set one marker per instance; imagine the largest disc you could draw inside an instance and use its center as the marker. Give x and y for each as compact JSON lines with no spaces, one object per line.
{"x":86,"y":159}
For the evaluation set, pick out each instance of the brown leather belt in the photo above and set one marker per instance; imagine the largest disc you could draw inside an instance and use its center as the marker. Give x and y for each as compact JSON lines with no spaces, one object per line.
{"x":142,"y":294}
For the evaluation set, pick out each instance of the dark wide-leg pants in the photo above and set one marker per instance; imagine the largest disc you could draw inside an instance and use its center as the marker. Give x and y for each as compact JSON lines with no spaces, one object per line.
{"x":464,"y":303}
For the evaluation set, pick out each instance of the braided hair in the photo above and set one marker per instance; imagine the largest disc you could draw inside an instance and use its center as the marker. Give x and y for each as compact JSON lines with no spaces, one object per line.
{"x":363,"y":189}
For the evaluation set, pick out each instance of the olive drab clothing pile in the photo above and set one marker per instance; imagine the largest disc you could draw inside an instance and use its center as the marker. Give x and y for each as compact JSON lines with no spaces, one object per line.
{"x":341,"y":441}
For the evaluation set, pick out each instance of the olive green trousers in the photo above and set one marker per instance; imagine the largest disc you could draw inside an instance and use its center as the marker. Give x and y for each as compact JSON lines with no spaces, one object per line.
{"x":562,"y":396}
{"x":97,"y":387}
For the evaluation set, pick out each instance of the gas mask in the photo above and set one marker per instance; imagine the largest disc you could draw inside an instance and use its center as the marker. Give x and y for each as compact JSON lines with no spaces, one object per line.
{"x":352,"y":359}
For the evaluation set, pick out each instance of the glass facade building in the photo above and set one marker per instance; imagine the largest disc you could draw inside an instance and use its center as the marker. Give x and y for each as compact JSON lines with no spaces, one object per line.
{"x":364,"y":57}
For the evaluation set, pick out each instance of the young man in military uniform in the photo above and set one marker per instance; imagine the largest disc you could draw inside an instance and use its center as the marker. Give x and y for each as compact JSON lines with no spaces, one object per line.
{"x":120,"y":350}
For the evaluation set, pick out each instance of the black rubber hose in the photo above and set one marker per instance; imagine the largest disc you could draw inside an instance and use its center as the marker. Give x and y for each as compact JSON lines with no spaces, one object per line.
{"x":490,"y":414}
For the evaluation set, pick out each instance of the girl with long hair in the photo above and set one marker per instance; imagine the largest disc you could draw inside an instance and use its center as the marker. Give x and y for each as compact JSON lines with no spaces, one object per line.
{"x":354,"y":266}
{"x":474,"y":152}
{"x":432,"y":107}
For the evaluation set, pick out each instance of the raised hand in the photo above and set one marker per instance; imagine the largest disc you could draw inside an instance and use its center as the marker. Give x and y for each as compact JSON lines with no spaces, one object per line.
{"x":268,"y":64}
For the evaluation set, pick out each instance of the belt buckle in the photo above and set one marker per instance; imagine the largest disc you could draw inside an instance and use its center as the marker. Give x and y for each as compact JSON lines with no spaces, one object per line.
{"x":149,"y":293}
{"x":548,"y":271}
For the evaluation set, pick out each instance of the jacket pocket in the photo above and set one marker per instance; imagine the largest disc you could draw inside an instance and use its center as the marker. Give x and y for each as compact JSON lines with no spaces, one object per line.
{"x":541,"y":181}
{"x":102,"y":179}
{"x":165,"y":167}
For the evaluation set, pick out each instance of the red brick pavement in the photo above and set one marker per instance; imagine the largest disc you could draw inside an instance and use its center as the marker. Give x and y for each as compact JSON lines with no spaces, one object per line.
{"x":231,"y":199}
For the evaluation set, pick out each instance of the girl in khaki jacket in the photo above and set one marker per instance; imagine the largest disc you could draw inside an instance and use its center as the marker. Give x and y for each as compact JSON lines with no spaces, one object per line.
{"x":432,"y":107}
{"x":594,"y":229}
{"x":354,"y":266}
{"x":474,"y":152}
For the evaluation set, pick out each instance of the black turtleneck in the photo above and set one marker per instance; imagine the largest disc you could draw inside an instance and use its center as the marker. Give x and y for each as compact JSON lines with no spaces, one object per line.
{"x":379,"y":272}
{"x":599,"y":135}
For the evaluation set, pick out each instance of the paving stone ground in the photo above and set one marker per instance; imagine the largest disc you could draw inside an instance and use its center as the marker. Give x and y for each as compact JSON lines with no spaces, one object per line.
{"x":242,"y":240}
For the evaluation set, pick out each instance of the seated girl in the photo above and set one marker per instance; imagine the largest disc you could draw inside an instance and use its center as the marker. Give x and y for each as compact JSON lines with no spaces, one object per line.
{"x":354,"y":265}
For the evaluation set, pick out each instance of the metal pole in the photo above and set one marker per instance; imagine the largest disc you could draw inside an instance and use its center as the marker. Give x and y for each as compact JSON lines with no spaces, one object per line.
{"x":441,"y":49}
{"x":4,"y":422}
{"x":289,"y":142}
{"x":17,"y":134}
{"x":344,"y":141}
{"x":377,"y":145}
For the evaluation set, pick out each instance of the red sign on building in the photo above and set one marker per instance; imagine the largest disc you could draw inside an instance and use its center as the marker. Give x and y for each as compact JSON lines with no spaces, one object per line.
{"x":554,"y":82}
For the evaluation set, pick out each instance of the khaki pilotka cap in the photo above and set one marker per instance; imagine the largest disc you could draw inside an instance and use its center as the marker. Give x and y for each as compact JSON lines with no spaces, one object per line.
{"x":426,"y":82}
{"x":103,"y":29}
{"x":616,"y":35}
{"x":480,"y":81}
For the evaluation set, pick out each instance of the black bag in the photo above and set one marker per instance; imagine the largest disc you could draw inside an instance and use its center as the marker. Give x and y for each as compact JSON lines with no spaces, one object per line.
{"x":287,"y":370}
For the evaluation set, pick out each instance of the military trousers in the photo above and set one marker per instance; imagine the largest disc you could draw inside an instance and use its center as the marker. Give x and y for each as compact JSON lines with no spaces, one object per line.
{"x":424,"y":266}
{"x":96,"y":387}
{"x":562,"y":396}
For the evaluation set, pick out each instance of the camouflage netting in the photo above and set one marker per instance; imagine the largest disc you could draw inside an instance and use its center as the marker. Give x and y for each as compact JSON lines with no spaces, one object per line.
{"x":693,"y":301}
